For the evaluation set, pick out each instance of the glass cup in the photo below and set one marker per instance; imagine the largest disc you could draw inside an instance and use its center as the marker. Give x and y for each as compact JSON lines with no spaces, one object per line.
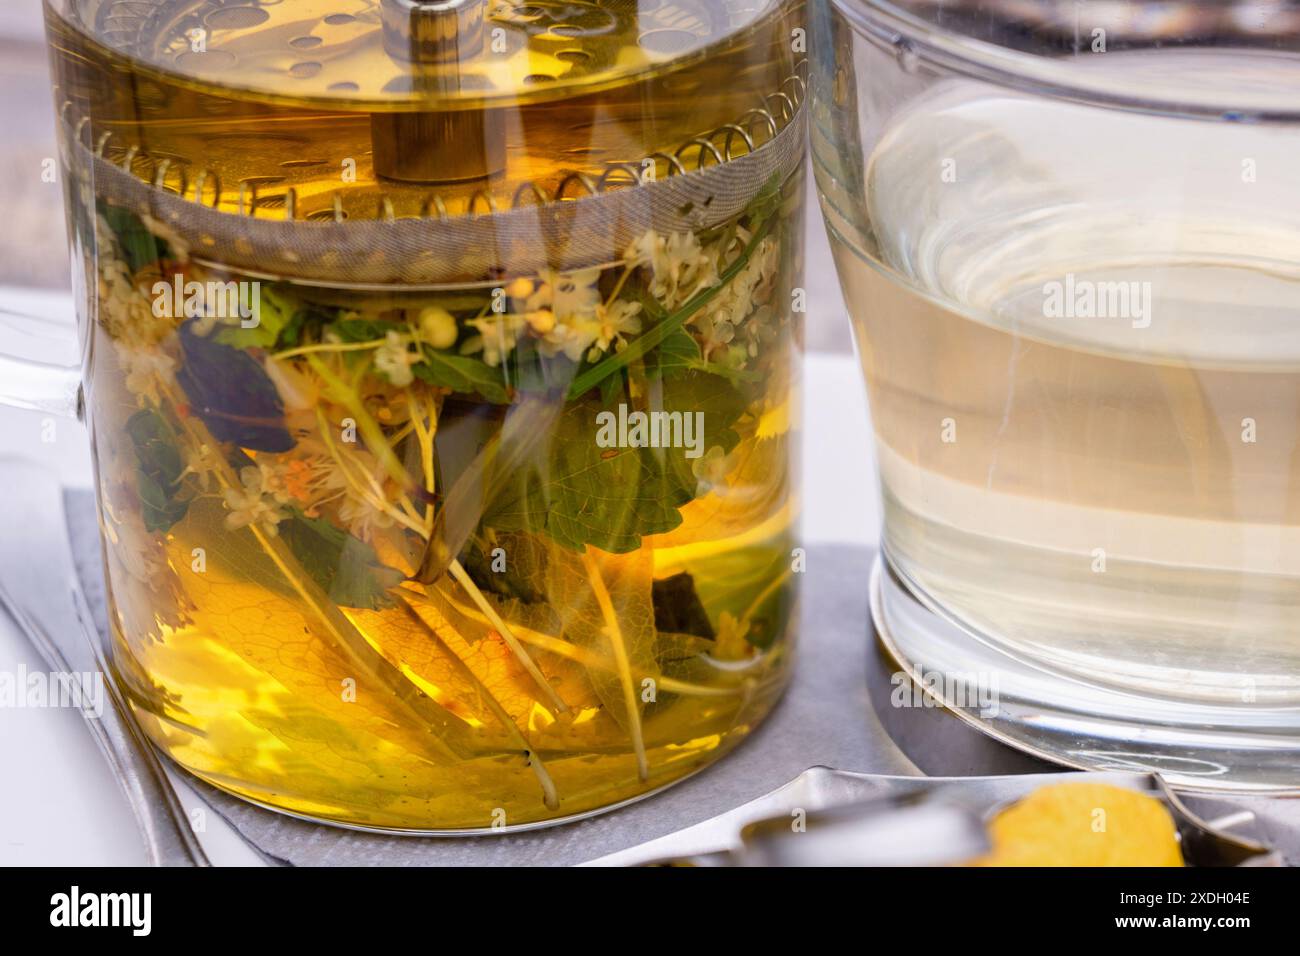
{"x":438,"y":366}
{"x":1069,"y":239}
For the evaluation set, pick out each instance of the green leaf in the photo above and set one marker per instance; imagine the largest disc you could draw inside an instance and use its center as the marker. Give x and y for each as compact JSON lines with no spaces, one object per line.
{"x":679,"y":353}
{"x":461,"y":373}
{"x":140,"y":246}
{"x":345,"y":568}
{"x":275,"y":311}
{"x":362,"y":330}
{"x":613,"y":388}
{"x":580,"y":493}
{"x":308,"y":316}
{"x":158,"y":470}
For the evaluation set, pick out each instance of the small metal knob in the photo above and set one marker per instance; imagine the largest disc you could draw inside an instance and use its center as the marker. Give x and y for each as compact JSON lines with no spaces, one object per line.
{"x":433,"y":31}
{"x":436,"y":38}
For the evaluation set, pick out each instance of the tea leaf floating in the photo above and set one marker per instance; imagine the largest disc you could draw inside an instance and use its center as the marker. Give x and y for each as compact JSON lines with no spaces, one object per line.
{"x":678,"y":608}
{"x":581,"y":494}
{"x":158,"y":474}
{"x":460,"y":374}
{"x":346,"y":568}
{"x":231,"y":392}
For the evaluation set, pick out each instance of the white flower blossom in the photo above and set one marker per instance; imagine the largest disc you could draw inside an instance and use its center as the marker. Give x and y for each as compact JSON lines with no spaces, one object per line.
{"x":498,"y":335}
{"x":254,"y":502}
{"x":614,"y":321}
{"x":146,"y":370}
{"x":395,"y":357}
{"x":679,"y":266}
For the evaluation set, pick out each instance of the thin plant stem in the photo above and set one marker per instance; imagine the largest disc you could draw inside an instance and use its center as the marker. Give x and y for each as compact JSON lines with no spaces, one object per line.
{"x":374,"y":497}
{"x":549,"y":795}
{"x":591,"y":659}
{"x":327,"y":347}
{"x":618,"y":286}
{"x":763,"y":595}
{"x":615,"y":634}
{"x":376,"y":441}
{"x":350,"y":642}
{"x":508,"y":635}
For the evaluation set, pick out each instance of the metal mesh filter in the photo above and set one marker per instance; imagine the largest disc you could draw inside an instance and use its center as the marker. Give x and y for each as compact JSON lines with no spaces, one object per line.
{"x":564,"y":234}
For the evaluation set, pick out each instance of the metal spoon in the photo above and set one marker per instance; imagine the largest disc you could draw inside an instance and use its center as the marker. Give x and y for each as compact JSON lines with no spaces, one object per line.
{"x":864,"y":813}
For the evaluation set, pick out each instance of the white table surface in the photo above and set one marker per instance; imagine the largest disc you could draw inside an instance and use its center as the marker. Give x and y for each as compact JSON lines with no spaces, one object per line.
{"x":59,"y":805}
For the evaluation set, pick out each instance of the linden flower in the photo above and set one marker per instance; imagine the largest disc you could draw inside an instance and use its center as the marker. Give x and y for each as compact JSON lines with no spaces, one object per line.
{"x":572,"y":340}
{"x":314,"y":477}
{"x":565,"y":293}
{"x":573,"y":337}
{"x":363,"y":519}
{"x":309,"y":480}
{"x":254,"y":503}
{"x":679,"y":266}
{"x":542,"y":321}
{"x":146,"y":370}
{"x":201,"y":461}
{"x":616,"y":320}
{"x":498,"y":335}
{"x":715,"y":333}
{"x":395,"y":357}
{"x":735,"y":303}
{"x":124,"y":310}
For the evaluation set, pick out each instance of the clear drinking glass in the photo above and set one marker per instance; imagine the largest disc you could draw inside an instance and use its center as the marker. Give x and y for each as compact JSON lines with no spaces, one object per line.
{"x":439,"y":360}
{"x":1069,"y":238}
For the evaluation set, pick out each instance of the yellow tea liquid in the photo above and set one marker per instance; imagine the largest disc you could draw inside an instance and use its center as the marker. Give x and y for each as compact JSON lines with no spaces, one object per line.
{"x":372,"y":557}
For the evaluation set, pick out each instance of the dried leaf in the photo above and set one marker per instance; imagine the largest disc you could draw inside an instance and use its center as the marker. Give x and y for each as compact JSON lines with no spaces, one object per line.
{"x":605,"y":604}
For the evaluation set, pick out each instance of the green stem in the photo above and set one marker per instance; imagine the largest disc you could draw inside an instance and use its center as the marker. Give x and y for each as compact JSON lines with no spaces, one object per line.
{"x":638,"y":348}
{"x":328,"y":347}
{"x":350,"y":643}
{"x":374,"y":436}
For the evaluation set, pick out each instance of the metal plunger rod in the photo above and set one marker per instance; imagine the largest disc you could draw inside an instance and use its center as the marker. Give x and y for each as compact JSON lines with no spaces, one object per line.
{"x":435,"y":39}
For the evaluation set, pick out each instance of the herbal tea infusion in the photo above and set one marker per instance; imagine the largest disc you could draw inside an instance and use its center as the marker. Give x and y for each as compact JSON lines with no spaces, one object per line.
{"x":488,"y":551}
